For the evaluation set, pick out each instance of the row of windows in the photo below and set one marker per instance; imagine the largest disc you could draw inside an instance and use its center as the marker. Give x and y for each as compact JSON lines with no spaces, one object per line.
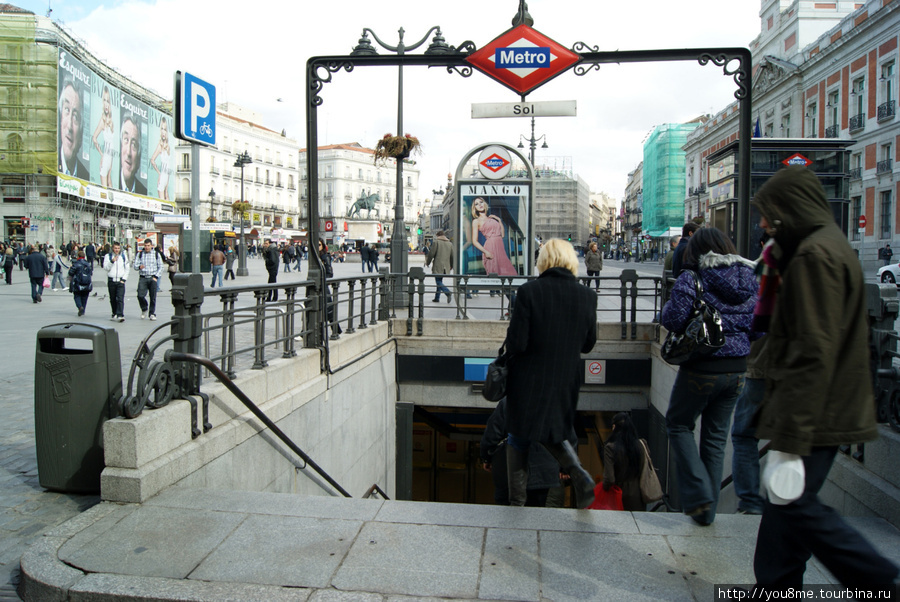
{"x":885,"y":101}
{"x":885,"y":210}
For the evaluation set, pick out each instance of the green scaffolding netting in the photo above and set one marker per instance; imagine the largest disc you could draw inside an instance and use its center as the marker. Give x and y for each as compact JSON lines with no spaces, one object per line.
{"x":28,"y":73}
{"x":663,"y":178}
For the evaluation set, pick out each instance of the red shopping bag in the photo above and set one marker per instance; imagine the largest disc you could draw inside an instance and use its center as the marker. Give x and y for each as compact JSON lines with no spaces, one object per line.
{"x":607,"y":500}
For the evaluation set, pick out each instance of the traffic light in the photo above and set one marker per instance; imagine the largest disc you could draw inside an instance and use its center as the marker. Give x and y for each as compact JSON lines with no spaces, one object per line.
{"x":419,"y":231}
{"x":570,"y":238}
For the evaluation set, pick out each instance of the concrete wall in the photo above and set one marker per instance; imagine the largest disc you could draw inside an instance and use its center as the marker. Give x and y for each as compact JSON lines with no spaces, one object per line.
{"x":483,"y":338}
{"x":349,"y":434}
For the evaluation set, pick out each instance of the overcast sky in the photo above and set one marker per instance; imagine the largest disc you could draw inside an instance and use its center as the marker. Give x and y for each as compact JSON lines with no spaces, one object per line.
{"x":255,"y":53}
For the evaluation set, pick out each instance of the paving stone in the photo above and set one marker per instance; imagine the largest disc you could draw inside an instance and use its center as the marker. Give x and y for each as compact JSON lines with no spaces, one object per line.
{"x":591,"y":566}
{"x":510,"y":568}
{"x":427,"y":559}
{"x":151,"y":542}
{"x":286,"y":550}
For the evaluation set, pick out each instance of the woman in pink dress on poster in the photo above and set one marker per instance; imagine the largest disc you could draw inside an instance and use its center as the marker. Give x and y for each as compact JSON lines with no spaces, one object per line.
{"x":493,"y":252}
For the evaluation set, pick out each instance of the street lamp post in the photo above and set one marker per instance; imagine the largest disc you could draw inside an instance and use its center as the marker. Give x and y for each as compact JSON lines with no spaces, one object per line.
{"x":532,"y":142}
{"x":242,"y":160}
{"x":399,"y":247}
{"x":212,"y":211}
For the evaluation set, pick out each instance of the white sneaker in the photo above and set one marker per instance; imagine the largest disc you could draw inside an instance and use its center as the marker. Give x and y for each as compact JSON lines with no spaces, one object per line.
{"x":143,"y":316}
{"x":112,"y":318}
{"x":153,"y":317}
{"x":121,"y":318}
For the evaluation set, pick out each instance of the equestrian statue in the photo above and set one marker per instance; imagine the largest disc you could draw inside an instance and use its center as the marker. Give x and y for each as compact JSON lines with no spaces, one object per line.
{"x":364,"y":202}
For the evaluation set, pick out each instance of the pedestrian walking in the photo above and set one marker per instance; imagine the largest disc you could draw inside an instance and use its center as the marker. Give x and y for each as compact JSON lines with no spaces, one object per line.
{"x":81,"y":274}
{"x":441,"y":255}
{"x":172,"y":263}
{"x":593,"y":263}
{"x":270,"y":255}
{"x":555,"y":320}
{"x":287,"y":256}
{"x":543,"y":469}
{"x":707,"y":386}
{"x":229,"y":262}
{"x":150,"y":266}
{"x":364,"y":253}
{"x":116,"y":265}
{"x":623,"y":462}
{"x":886,"y":254}
{"x":21,"y":253}
{"x":217,"y":262}
{"x":37,"y":267}
{"x":818,"y":386}
{"x":373,"y":258}
{"x":57,"y":268}
{"x":8,"y":262}
{"x":330,"y":314}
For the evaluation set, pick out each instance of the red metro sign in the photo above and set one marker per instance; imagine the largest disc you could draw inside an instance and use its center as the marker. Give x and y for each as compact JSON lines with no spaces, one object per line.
{"x":523,"y":59}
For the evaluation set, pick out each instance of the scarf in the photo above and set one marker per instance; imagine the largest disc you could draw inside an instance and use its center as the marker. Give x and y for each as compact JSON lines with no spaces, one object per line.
{"x":769,"y":280}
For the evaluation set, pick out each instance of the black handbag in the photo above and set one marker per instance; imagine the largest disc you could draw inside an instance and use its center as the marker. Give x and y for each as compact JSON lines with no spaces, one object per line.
{"x":495,"y":382}
{"x":702,"y":335}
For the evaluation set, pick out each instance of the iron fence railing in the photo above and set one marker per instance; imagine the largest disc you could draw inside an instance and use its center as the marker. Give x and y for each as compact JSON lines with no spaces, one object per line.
{"x":857,"y":122}
{"x":242,"y":327}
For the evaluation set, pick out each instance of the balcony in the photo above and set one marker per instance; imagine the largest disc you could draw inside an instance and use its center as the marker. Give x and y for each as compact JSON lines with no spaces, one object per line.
{"x":270,"y":183}
{"x":885,"y":111}
{"x":214,"y":171}
{"x":832,"y":131}
{"x":857,"y":122}
{"x":183,"y":169}
{"x":257,"y":180}
{"x":279,"y":185}
{"x":226,"y":173}
{"x":883,"y":167}
{"x":291,"y":187}
{"x":856,"y":173}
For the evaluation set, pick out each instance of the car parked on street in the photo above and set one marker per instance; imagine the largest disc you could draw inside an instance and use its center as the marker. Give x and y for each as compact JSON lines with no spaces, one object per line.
{"x":889,"y":273}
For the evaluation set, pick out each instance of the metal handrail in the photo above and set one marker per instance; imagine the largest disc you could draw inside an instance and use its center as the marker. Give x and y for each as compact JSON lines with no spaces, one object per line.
{"x":173,"y":356}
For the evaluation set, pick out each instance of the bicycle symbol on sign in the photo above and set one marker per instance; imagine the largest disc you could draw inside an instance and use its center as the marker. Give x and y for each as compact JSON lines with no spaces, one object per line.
{"x":205,"y":130}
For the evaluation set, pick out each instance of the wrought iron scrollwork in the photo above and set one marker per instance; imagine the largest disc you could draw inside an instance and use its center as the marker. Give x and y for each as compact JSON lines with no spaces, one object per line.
{"x":155,"y":389}
{"x":740,"y":74}
{"x":585,"y":68}
{"x":580,"y":47}
{"x":320,"y":74}
{"x":464,"y":70}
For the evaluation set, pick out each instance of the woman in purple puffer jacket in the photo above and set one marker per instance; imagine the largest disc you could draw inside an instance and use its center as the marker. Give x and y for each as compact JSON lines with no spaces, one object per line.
{"x":708,"y":387}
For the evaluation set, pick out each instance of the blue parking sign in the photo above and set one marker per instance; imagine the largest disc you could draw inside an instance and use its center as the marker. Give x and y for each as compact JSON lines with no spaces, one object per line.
{"x":195,"y":109}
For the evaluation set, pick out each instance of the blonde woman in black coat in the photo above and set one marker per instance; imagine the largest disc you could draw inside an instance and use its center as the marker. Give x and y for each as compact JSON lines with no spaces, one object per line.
{"x":555,"y":320}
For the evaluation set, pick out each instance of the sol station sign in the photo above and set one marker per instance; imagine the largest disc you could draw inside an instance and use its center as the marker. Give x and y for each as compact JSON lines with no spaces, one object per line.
{"x":523,"y":59}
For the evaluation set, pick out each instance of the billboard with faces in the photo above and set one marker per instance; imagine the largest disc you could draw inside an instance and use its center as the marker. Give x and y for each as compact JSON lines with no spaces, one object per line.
{"x":110,"y":138}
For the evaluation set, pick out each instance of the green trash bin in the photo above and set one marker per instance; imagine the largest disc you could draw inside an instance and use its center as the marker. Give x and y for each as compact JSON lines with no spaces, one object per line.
{"x":77,"y":382}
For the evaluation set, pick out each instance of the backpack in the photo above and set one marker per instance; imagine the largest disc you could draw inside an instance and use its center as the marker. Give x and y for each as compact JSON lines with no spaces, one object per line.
{"x":82,"y":282}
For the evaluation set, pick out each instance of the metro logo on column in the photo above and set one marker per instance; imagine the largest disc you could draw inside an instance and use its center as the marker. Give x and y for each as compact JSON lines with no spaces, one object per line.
{"x":523,"y":59}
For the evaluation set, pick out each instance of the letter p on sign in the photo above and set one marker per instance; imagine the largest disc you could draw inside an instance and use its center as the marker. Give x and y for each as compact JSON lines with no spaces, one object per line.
{"x":199,"y":104}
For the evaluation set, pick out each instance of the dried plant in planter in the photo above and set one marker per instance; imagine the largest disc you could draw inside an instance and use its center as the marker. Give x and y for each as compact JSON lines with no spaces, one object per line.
{"x":396,"y":147}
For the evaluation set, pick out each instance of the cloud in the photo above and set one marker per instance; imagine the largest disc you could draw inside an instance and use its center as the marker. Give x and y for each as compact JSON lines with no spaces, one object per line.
{"x":256,"y":53}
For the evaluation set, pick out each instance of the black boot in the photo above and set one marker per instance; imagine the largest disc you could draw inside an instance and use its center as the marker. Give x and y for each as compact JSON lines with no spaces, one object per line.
{"x":516,"y":475}
{"x":582,"y":481}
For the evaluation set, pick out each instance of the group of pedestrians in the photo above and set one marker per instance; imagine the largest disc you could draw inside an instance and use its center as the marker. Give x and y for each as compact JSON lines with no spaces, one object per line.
{"x":798,"y":314}
{"x":794,"y":370}
{"x":368,"y":256}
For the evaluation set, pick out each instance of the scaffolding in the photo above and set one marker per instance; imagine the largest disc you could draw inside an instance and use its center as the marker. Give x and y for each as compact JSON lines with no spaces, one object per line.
{"x":664,"y":179}
{"x":27,"y":98}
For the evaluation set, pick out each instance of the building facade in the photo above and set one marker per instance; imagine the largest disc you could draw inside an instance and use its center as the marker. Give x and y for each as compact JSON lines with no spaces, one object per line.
{"x":823,"y":71}
{"x":353,"y":189}
{"x":270,"y":180}
{"x":87,"y":154}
